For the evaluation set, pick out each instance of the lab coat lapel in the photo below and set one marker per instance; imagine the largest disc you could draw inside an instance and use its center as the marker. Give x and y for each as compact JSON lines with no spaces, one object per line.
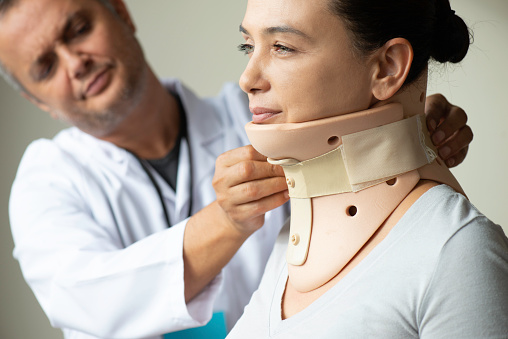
{"x":213,"y":126}
{"x":206,"y":135}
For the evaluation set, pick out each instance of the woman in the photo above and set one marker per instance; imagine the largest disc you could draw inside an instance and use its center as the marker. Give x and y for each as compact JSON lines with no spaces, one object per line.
{"x":388,"y":252}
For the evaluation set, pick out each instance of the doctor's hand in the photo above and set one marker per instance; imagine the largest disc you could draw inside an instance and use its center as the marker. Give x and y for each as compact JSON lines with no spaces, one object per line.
{"x":247,"y":187}
{"x":448,"y":129}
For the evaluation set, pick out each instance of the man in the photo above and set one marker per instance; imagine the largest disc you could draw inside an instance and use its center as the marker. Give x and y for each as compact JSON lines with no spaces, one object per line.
{"x":101,"y":215}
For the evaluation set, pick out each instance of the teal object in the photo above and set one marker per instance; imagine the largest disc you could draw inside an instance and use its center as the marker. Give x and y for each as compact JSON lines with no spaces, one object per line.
{"x":215,"y":329}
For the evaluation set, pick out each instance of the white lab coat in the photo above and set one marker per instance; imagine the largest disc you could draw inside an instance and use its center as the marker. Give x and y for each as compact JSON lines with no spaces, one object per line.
{"x":91,"y":237}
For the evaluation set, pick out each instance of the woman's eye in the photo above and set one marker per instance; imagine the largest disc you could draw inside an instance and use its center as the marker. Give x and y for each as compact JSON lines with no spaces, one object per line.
{"x":282,"y":49}
{"x":246,"y":48}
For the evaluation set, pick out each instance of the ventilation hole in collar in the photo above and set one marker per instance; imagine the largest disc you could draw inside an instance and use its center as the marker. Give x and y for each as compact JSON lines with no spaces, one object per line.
{"x":333,"y":140}
{"x":351,"y":211}
{"x":391,"y":182}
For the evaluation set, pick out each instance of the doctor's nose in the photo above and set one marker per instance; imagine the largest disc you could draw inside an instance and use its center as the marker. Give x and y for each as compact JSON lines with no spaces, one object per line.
{"x":77,"y":65}
{"x":252,"y":79}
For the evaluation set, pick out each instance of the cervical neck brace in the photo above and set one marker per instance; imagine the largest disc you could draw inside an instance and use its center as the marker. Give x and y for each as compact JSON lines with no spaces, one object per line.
{"x":363,"y":159}
{"x":339,"y":172}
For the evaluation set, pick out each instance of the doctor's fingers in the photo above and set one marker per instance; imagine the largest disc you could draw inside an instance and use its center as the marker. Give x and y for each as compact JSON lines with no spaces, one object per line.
{"x":454,"y":150}
{"x":456,"y":120}
{"x":243,"y":172}
{"x":251,"y":191}
{"x":437,"y":109}
{"x":444,"y":120}
{"x":457,"y":158}
{"x":239,"y":154}
{"x":246,"y":204}
{"x":244,"y":156}
{"x":251,"y":214}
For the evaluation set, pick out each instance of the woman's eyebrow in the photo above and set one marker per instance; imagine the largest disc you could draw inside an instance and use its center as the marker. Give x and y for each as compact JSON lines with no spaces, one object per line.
{"x":278,"y":29}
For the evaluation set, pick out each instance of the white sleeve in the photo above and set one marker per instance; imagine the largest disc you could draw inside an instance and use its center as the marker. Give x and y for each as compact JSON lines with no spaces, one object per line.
{"x":80,"y":272}
{"x":468,"y":294}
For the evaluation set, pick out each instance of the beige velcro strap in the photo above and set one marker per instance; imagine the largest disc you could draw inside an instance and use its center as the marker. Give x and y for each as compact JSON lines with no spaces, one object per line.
{"x":364,"y":159}
{"x":386,"y":151}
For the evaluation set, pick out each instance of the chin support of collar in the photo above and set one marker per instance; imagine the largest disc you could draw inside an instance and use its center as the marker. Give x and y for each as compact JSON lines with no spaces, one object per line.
{"x":346,"y":175}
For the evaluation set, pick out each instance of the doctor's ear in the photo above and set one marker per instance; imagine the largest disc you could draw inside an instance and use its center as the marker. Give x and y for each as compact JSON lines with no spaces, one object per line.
{"x":123,"y":13}
{"x":391,"y":67}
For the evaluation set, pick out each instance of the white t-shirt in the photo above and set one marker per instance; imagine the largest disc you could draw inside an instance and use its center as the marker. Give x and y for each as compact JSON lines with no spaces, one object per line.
{"x":442,"y":272}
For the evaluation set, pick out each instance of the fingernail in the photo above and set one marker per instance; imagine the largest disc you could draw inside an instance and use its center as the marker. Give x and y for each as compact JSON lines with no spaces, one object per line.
{"x":286,"y":194}
{"x":444,"y":152}
{"x":450,"y":162}
{"x":432,"y":124}
{"x":438,"y":137}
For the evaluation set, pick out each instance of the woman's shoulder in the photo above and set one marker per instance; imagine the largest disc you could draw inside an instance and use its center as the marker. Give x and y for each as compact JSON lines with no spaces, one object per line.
{"x":457,"y":235}
{"x":470,"y":273}
{"x":467,"y":230}
{"x":442,"y":212}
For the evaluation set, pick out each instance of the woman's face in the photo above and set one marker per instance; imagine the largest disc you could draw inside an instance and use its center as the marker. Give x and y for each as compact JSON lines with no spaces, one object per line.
{"x":301,"y":64}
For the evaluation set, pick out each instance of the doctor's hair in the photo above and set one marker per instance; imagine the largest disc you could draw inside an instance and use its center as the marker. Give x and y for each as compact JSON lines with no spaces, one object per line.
{"x":4,"y":72}
{"x":108,"y":5}
{"x":431,"y":27}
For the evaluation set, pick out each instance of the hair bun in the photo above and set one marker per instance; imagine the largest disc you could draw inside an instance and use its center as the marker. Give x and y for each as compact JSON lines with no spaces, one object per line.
{"x":451,"y":35}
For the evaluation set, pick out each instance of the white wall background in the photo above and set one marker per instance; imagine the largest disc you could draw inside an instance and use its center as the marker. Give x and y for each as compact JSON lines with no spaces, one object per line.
{"x":196,"y":41}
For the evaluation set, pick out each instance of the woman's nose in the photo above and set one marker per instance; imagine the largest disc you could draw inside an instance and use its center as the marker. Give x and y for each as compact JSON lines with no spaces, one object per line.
{"x":252,"y":79}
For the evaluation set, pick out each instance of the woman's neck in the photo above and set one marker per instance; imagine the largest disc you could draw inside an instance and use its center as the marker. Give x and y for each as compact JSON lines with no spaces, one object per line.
{"x":412,"y":97}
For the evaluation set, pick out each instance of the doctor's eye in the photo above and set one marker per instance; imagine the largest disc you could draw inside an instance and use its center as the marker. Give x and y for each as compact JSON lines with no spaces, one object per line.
{"x":45,"y":67}
{"x":77,"y":28}
{"x":246,"y":48}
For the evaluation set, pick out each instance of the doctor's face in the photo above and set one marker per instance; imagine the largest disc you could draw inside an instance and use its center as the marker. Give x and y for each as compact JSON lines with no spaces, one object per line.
{"x":79,"y":60}
{"x":301,"y":65}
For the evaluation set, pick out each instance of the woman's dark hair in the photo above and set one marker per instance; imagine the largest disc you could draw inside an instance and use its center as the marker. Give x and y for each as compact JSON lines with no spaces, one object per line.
{"x":432,"y":28}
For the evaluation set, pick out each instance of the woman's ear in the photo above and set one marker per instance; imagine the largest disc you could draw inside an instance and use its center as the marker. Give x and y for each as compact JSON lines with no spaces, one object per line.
{"x":391,"y":67}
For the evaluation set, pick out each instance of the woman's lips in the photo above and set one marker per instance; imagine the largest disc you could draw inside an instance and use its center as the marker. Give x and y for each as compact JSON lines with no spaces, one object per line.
{"x":261,"y":114}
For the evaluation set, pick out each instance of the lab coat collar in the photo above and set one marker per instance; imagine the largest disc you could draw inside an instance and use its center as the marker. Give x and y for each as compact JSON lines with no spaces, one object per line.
{"x":205,"y":130}
{"x":203,"y":122}
{"x":206,"y":137}
{"x":90,"y":147}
